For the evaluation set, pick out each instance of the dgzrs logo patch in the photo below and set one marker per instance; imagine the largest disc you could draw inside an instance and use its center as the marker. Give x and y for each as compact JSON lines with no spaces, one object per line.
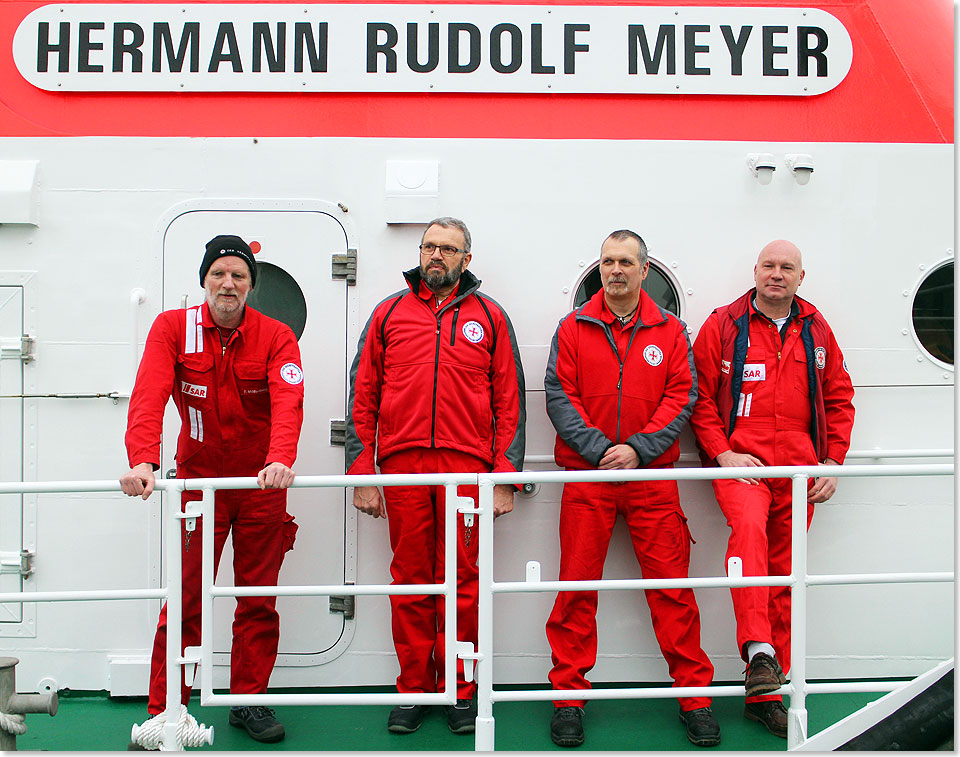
{"x":820,"y":357}
{"x":473,"y":331}
{"x":653,"y":354}
{"x":292,"y":374}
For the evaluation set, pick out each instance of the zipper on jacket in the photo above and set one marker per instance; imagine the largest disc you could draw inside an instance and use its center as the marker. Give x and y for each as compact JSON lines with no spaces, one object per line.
{"x":436,"y":374}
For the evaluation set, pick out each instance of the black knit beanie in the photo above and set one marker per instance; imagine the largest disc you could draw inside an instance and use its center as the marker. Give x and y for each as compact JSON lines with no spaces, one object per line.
{"x":228,"y":244}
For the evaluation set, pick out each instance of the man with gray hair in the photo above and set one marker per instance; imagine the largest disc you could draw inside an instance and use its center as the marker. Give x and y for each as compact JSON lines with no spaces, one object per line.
{"x":620,"y":385}
{"x":436,"y":387}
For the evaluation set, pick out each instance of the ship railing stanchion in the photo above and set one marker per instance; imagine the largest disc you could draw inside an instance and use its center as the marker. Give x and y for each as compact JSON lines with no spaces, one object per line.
{"x":169,"y":741}
{"x":484,"y":735}
{"x":206,"y":595}
{"x":797,"y":713}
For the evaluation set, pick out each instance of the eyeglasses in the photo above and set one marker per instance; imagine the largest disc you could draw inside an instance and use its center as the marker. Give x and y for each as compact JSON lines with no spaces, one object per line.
{"x":446,"y":250}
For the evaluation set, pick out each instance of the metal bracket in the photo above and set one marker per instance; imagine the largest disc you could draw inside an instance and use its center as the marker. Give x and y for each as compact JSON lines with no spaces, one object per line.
{"x":338,"y":432}
{"x":466,"y":652}
{"x":20,"y":563}
{"x":346,"y":605}
{"x":345,"y":266}
{"x":190,"y":662}
{"x":23,"y":349}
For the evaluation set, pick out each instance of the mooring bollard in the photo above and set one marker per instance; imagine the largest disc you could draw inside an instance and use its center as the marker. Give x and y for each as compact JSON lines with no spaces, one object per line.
{"x":14,"y":706}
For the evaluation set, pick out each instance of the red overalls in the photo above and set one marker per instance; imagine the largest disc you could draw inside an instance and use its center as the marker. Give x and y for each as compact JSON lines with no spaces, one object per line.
{"x":774,"y":423}
{"x":641,"y":395}
{"x":241,"y":407}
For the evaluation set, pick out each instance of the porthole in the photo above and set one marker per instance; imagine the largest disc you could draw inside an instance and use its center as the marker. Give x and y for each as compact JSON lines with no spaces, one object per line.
{"x":932,"y":313}
{"x":278,"y":295}
{"x":657,"y":284}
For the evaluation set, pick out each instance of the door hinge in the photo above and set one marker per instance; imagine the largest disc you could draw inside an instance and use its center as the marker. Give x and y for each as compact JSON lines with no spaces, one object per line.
{"x":17,"y":562}
{"x":345,"y":605}
{"x":345,"y":266}
{"x":23,"y":348}
{"x":338,"y":433}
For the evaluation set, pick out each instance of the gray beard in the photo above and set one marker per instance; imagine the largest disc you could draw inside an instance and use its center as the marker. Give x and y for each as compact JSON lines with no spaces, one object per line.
{"x":435,"y":280}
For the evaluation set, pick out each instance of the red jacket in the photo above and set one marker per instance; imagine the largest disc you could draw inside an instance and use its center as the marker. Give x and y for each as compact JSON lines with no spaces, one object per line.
{"x":753,"y":384}
{"x":241,"y":407}
{"x":448,"y":378}
{"x":606,"y":385}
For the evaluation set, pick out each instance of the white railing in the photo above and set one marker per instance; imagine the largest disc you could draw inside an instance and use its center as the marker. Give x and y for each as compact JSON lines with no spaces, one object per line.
{"x":798,"y":580}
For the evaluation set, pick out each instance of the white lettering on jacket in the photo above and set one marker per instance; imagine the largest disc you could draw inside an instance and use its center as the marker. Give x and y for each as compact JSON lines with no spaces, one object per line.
{"x":193,"y":390}
{"x":755,"y":372}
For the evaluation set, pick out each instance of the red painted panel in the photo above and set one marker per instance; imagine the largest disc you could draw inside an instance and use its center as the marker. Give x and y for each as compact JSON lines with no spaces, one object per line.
{"x":899,"y":89}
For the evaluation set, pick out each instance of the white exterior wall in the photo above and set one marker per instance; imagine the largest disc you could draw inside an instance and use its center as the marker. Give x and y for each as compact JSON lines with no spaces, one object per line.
{"x":872,"y":217}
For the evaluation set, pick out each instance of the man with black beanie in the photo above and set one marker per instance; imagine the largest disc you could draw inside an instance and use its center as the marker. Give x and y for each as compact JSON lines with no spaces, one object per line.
{"x":236,"y":379}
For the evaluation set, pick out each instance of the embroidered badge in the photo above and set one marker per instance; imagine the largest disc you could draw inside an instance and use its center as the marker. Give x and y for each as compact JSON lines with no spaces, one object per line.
{"x":724,"y":366}
{"x":292,"y":374}
{"x":820,"y":357}
{"x":473,"y":331}
{"x":653,"y":354}
{"x":193,"y":390}
{"x":755,"y":372}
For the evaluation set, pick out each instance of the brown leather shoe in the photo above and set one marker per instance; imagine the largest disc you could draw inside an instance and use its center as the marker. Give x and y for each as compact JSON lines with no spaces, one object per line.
{"x":764,"y":675}
{"x":771,"y":714}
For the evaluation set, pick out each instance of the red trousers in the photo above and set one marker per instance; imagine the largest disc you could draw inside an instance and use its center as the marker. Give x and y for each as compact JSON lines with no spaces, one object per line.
{"x":760,"y":519}
{"x":416,"y":517}
{"x":262,"y":533}
{"x":661,"y":541}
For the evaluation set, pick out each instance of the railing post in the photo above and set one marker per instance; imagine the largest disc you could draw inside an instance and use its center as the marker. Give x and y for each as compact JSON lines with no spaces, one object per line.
{"x":484,"y":736}
{"x":207,"y":520}
{"x":451,"y":502}
{"x":174,"y":620}
{"x":797,"y":714}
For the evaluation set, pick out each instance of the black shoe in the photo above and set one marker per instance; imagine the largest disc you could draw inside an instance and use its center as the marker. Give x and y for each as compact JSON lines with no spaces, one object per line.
{"x":702,"y":727}
{"x":260,"y":722}
{"x":764,"y":675}
{"x":462,"y":717}
{"x":406,"y":718}
{"x":566,"y":726}
{"x":770,"y":713}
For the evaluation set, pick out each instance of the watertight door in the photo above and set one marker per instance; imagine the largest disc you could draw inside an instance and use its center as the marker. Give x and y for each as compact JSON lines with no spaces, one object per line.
{"x":293,"y":250}
{"x":11,"y":450}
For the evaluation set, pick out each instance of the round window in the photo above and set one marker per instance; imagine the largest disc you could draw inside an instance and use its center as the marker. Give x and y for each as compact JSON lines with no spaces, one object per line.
{"x":933,"y":313}
{"x":657,"y":285}
{"x":278,"y":295}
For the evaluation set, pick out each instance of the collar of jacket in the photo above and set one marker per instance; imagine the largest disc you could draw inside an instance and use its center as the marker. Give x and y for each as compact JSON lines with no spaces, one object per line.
{"x":649,"y":313}
{"x":468,"y":283}
{"x":744,"y":304}
{"x":206,"y":320}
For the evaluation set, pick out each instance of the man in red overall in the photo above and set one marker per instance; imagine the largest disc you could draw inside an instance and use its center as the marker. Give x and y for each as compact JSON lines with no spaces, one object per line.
{"x":437,"y":386}
{"x":236,"y":379}
{"x":774,"y":390}
{"x":619,"y":388}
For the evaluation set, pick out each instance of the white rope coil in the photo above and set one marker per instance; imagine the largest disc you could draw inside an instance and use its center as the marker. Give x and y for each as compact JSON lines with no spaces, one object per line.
{"x":12,"y":724}
{"x":189,"y":732}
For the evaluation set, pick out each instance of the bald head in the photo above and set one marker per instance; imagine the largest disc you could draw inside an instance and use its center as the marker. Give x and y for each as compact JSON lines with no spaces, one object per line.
{"x":778,"y":273}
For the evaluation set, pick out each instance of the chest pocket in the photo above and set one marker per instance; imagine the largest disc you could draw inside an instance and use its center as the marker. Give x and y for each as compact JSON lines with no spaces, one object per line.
{"x":253,"y":389}
{"x":800,"y":378}
{"x":195,"y":377}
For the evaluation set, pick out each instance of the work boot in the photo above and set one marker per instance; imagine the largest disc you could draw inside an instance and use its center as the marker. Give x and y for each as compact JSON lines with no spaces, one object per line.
{"x":260,"y":722}
{"x":764,"y":675}
{"x":462,"y":717}
{"x":771,"y":713}
{"x":702,"y":727}
{"x":406,"y":718}
{"x":566,"y":726}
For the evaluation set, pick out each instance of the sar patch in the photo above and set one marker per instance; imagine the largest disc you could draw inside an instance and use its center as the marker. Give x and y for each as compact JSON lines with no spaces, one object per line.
{"x":193,"y":390}
{"x":473,"y":331}
{"x":292,"y":374}
{"x":820,"y":357}
{"x":653,"y":354}
{"x":755,"y":372}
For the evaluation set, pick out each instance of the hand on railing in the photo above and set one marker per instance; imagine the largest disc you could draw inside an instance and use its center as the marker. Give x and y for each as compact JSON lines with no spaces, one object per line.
{"x":138,"y":481}
{"x":731,"y":459}
{"x":503,"y":499}
{"x":367,"y":499}
{"x":275,"y":476}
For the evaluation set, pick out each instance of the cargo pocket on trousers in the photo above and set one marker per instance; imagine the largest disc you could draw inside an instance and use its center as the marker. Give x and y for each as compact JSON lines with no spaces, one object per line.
{"x":686,"y":539}
{"x":289,"y":532}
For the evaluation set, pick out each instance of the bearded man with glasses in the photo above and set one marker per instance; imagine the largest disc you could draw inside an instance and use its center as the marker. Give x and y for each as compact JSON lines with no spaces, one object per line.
{"x":436,"y":387}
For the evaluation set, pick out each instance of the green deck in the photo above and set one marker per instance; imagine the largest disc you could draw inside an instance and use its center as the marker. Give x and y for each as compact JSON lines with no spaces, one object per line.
{"x":94,"y":721}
